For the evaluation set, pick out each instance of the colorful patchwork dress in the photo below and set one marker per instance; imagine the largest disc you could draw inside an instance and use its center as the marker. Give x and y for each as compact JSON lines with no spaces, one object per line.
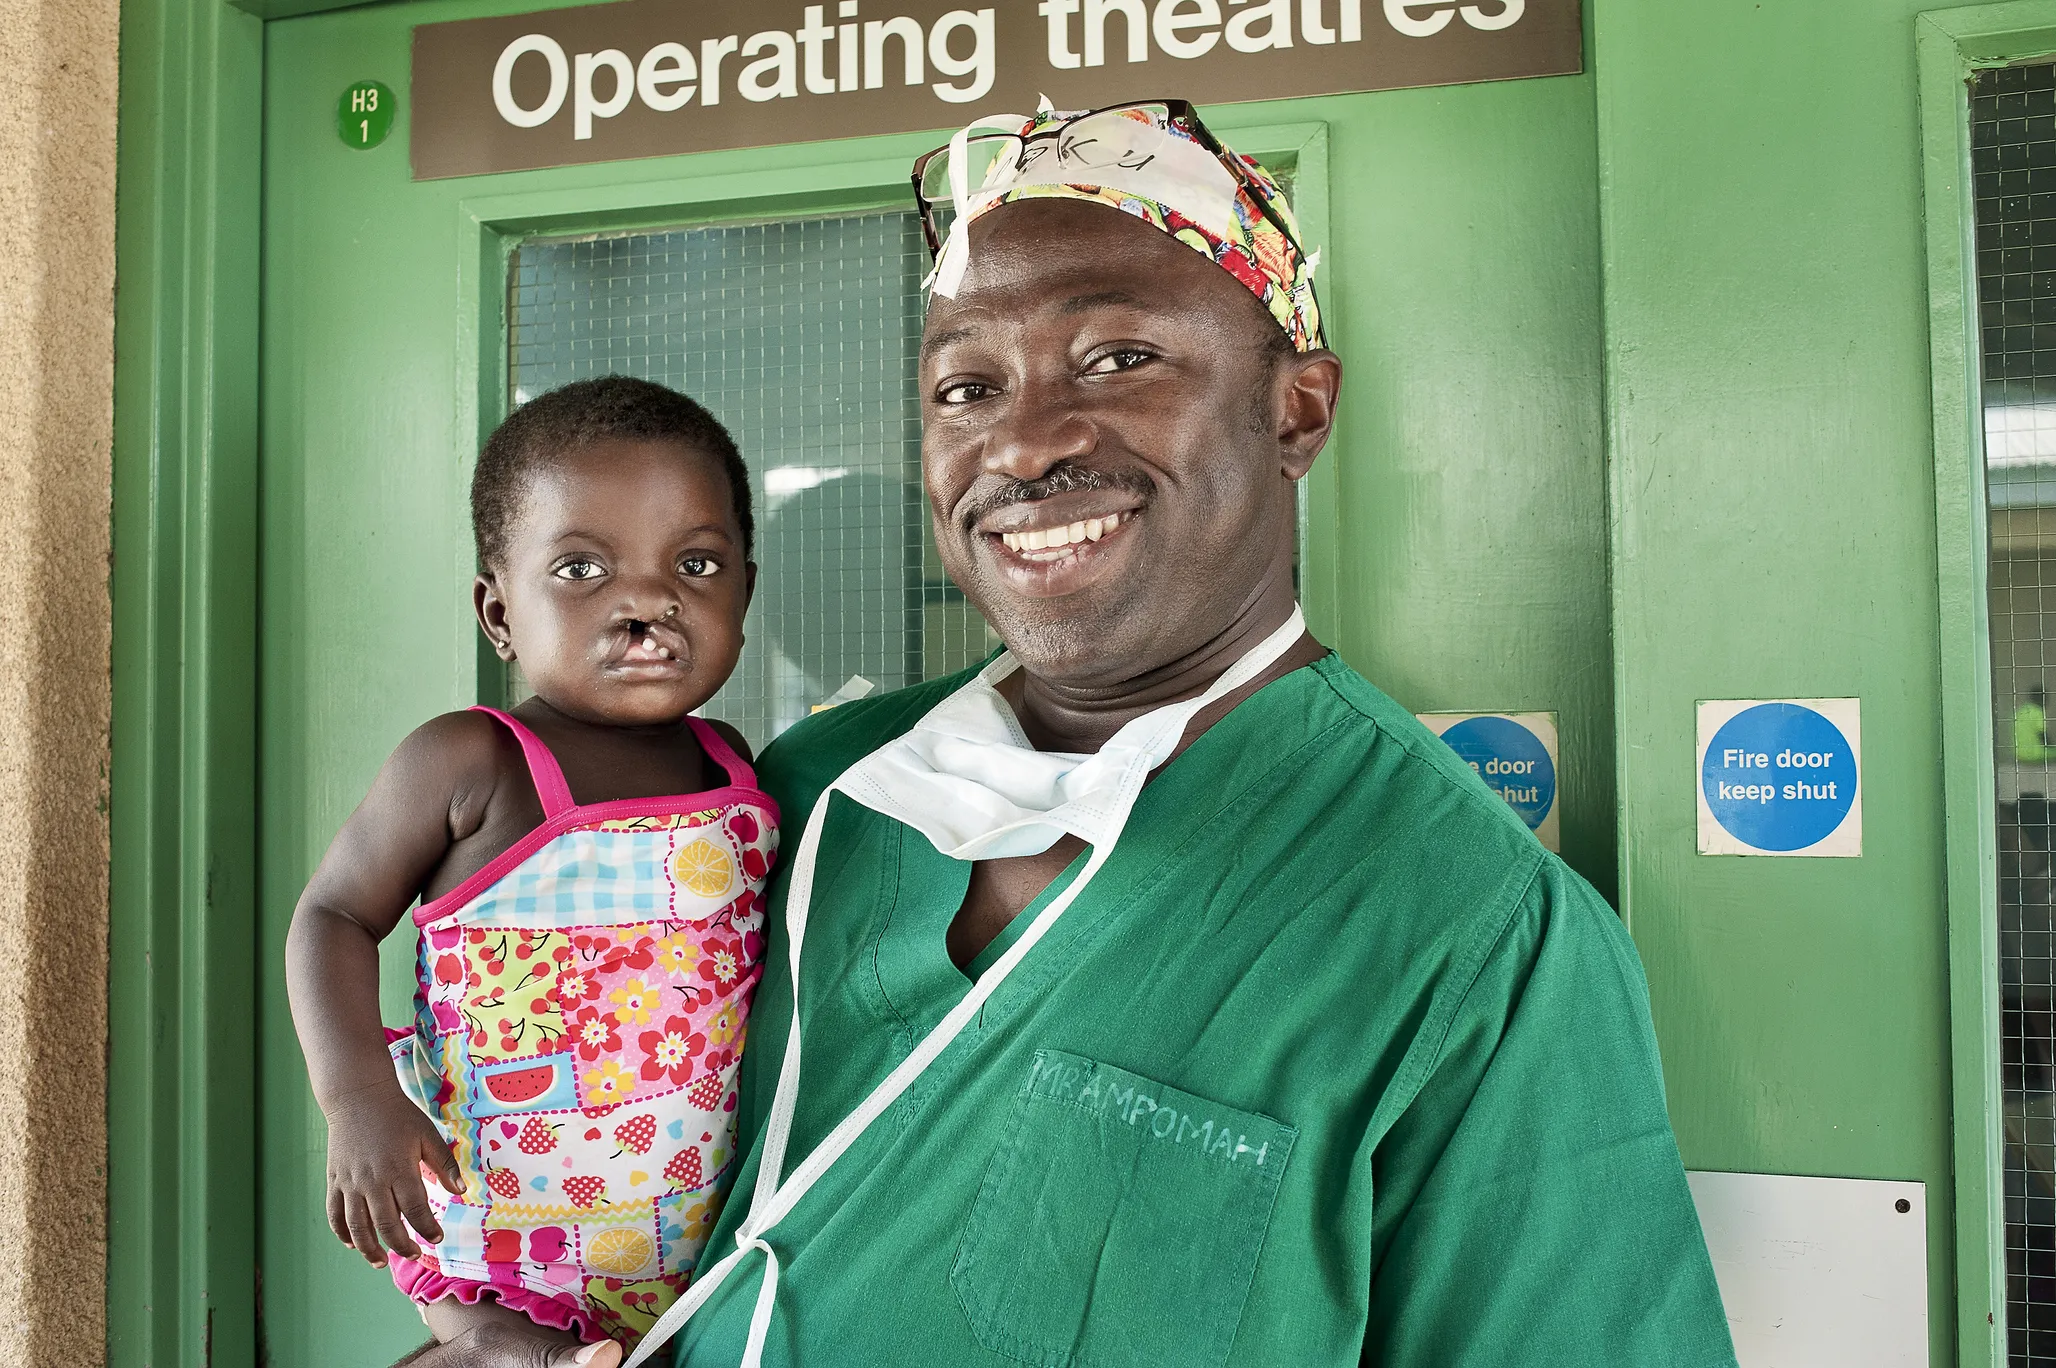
{"x":581,"y":1007}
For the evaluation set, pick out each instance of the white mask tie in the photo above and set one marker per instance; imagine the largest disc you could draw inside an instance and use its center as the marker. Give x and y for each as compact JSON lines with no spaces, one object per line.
{"x":966,"y":778}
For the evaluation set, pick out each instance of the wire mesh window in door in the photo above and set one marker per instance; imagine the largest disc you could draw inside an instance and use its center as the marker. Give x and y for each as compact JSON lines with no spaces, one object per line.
{"x":2013,"y":139}
{"x":801,"y":336}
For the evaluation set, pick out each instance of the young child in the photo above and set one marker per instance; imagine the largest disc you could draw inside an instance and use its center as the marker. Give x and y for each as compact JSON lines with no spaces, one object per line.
{"x":590,"y":871}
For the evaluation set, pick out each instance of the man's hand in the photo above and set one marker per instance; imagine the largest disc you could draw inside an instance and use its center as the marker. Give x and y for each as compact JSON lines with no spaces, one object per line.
{"x":504,"y":1346}
{"x":485,"y":1334}
{"x":378,"y":1141}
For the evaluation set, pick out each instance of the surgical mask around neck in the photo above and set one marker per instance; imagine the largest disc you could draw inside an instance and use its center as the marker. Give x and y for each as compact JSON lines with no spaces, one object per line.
{"x":965,"y":777}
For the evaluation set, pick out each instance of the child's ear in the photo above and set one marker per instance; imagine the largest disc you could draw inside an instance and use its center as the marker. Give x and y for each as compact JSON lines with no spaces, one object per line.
{"x":492,"y":614}
{"x":749,"y":582}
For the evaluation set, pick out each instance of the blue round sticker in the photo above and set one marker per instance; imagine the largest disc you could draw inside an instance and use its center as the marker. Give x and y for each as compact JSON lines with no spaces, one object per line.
{"x":1511,"y":760}
{"x":1779,"y":776}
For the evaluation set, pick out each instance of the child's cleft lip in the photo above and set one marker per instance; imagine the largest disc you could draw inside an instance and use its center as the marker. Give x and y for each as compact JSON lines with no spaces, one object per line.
{"x":647,"y":649}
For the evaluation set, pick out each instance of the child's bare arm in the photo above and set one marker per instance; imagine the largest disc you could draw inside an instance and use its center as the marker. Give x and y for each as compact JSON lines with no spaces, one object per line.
{"x":372,"y":872}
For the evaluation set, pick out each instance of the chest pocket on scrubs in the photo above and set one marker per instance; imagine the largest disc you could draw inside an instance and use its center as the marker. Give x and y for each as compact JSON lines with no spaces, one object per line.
{"x":1119,"y":1222}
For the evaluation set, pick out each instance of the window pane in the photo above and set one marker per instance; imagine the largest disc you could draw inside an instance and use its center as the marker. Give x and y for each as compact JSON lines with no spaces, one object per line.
{"x":2013,"y":139}
{"x":801,"y":336}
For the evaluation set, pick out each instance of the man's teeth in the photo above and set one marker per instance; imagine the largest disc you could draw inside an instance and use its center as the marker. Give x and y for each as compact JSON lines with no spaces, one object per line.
{"x":1057,"y":538}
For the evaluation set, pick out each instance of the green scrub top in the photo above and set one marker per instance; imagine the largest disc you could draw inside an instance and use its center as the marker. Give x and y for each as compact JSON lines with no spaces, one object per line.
{"x":2030,"y":746}
{"x":1331,"y":1063}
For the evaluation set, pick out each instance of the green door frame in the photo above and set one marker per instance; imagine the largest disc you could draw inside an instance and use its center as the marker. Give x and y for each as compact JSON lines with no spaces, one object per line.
{"x":1950,"y":44}
{"x":181,"y":1250}
{"x":183,"y":1279}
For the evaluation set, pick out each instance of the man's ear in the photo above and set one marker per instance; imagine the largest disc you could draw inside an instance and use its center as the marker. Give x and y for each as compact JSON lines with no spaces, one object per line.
{"x":492,"y":614}
{"x":1308,"y":387}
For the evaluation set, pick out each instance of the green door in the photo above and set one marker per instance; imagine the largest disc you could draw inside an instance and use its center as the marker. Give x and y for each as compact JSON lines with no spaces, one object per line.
{"x":1455,"y":535}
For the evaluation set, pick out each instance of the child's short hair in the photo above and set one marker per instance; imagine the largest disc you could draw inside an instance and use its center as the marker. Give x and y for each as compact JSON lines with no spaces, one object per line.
{"x":574,"y":417}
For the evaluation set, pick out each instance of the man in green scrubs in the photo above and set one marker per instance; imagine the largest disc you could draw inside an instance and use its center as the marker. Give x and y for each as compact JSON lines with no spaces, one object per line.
{"x":1331,"y":1064}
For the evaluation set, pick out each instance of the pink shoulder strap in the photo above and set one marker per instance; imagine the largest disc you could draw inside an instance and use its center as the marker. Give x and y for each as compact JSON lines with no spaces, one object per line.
{"x":542,"y":766}
{"x":740,"y":775}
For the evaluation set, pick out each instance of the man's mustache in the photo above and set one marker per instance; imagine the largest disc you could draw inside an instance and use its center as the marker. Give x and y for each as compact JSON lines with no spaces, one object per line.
{"x":1061,"y":479}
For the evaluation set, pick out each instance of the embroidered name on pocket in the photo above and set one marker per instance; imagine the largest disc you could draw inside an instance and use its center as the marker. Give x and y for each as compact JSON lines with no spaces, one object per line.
{"x":1214,"y":1132}
{"x":1119,"y":1222}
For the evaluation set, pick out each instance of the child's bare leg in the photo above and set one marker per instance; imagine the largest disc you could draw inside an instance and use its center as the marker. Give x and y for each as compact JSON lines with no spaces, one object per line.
{"x":489,"y":1335}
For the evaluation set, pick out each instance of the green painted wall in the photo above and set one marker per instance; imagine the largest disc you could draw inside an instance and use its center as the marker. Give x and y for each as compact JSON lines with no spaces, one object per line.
{"x":1774,"y":535}
{"x":1469,"y":478}
{"x":364,"y":633}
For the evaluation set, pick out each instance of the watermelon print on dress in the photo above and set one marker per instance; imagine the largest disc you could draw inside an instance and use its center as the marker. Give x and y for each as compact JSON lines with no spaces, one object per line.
{"x":581,"y":1007}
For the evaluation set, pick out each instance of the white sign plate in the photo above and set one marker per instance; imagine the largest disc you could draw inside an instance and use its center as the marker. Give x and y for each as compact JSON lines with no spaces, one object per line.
{"x":1780,"y":776}
{"x":1818,"y":1272}
{"x":1515,"y":754}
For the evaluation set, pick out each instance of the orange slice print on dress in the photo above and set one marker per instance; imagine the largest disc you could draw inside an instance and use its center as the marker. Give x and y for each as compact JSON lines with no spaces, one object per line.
{"x":703,"y":869}
{"x":620,"y":1251}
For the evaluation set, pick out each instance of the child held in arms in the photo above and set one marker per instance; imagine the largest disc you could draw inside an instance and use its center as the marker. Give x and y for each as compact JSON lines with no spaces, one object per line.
{"x":550,"y":1143}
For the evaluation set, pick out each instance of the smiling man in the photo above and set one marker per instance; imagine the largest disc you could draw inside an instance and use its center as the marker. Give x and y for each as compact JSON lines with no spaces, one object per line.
{"x":1168,"y":994}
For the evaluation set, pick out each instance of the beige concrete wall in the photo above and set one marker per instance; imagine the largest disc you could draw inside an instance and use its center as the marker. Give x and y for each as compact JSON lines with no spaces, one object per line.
{"x":56,"y":384}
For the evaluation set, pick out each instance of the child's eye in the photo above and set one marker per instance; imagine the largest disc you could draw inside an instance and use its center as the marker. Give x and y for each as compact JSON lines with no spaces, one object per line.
{"x":579,"y":568}
{"x":698,"y":567}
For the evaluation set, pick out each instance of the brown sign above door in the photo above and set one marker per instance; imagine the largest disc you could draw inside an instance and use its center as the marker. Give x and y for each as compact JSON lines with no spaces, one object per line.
{"x":647,"y":78}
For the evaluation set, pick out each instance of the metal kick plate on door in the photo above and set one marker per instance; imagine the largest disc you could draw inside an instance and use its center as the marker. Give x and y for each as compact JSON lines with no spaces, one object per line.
{"x":1819,"y":1272}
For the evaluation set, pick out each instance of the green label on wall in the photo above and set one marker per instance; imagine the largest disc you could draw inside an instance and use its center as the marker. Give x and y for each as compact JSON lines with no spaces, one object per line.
{"x":365,"y":114}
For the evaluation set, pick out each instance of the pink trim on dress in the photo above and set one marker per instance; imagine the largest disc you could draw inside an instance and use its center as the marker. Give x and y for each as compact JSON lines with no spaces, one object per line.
{"x":543,"y":769}
{"x":740,"y":775}
{"x":563,"y":1312}
{"x":741,"y":788}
